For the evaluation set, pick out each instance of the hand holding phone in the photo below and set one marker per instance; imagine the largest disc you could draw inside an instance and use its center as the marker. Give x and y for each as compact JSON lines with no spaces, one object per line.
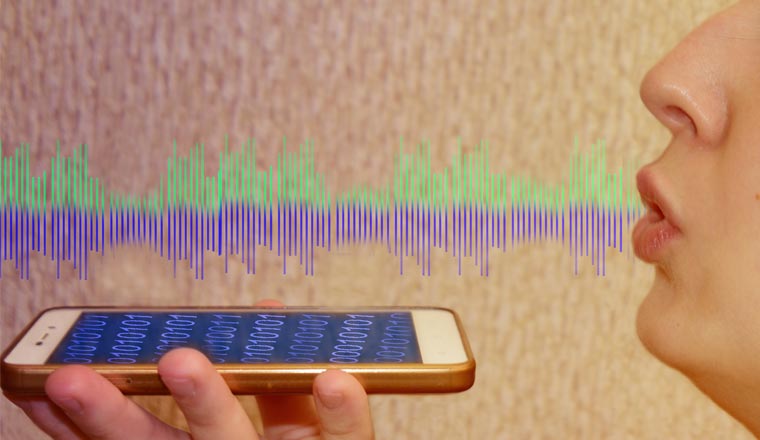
{"x":256,"y":350}
{"x":81,"y":403}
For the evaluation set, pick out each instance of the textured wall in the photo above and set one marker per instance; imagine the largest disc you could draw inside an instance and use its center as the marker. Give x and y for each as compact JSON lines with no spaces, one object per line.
{"x":557,"y":354}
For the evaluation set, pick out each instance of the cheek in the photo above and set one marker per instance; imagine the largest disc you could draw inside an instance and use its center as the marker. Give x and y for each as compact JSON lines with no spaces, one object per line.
{"x":722,"y":233}
{"x":736,"y":236}
{"x":737,"y":182}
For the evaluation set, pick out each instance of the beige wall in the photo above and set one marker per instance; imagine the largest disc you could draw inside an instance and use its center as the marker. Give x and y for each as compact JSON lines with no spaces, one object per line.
{"x":557,"y":354}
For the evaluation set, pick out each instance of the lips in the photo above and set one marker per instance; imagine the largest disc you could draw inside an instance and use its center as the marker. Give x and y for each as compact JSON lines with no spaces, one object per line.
{"x":657,"y":228}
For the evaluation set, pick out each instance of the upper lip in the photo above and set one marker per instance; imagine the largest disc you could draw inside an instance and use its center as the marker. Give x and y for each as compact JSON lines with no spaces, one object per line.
{"x":653,"y":198}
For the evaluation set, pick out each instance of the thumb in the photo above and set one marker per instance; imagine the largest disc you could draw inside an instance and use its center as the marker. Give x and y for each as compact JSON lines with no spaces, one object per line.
{"x":342,"y":407}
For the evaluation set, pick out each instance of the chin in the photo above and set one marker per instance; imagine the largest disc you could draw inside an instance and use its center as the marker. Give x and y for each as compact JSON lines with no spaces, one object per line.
{"x":664,"y":327}
{"x":671,"y":328}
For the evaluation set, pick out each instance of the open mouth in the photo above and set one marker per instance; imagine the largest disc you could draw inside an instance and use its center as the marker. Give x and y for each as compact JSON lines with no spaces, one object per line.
{"x":654,"y":212}
{"x":655,"y":230}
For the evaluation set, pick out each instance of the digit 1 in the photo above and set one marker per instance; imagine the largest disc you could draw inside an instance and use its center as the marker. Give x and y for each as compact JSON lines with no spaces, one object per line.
{"x":227,"y":316}
{"x":267,"y":316}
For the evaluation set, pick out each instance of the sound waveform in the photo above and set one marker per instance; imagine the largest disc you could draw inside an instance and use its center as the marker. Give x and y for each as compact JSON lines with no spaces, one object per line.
{"x":465,"y":209}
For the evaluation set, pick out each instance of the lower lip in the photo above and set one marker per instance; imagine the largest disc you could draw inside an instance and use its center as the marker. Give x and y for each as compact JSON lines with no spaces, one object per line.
{"x":651,"y":235}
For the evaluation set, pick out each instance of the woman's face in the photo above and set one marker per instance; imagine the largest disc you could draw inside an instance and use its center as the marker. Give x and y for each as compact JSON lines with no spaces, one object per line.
{"x":702,"y":314}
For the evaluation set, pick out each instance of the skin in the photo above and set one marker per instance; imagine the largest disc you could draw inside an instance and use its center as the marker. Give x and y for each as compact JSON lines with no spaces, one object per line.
{"x":339,"y":410}
{"x":702,"y":314}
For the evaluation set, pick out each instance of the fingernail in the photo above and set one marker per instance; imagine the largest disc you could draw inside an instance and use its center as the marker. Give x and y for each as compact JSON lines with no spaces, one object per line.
{"x":180,"y":387}
{"x":69,"y":404}
{"x":330,"y":400}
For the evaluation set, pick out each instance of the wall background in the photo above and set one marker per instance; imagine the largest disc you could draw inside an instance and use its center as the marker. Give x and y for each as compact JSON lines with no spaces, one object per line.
{"x":557,"y":354}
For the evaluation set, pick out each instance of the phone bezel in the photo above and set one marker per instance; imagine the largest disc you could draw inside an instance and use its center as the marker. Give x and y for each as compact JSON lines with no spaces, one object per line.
{"x":21,"y":378}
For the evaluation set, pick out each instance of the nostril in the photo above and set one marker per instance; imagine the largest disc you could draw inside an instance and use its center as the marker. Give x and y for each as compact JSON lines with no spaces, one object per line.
{"x":679,"y":119}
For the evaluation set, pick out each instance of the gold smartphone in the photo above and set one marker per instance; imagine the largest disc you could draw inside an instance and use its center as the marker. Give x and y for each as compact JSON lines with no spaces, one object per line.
{"x":256,"y":350}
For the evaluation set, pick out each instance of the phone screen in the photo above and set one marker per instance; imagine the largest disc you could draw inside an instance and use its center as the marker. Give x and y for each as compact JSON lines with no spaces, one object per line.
{"x":230,"y":337}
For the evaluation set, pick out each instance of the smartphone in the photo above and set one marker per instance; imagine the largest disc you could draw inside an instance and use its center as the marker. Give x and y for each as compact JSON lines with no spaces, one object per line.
{"x":256,"y":350}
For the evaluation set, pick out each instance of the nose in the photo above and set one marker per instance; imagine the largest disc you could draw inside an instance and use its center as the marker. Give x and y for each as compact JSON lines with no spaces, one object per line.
{"x":686,"y":90}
